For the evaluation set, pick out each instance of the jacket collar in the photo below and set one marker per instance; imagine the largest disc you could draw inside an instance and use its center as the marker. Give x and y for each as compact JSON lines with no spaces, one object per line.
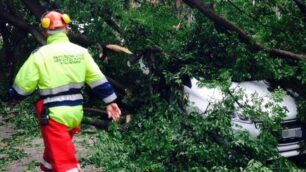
{"x":57,"y":38}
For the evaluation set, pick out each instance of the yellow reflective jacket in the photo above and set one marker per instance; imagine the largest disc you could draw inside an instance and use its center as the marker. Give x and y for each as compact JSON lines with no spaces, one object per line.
{"x":59,"y":70}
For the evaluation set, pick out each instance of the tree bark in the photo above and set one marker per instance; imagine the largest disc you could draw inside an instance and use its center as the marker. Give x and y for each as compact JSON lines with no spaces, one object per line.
{"x":205,"y":9}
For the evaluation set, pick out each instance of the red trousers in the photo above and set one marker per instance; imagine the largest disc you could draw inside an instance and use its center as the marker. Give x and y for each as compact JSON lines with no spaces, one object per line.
{"x":59,"y":154}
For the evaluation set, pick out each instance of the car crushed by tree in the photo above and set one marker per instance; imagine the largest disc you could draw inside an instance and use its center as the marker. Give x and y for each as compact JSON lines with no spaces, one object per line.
{"x":255,"y":95}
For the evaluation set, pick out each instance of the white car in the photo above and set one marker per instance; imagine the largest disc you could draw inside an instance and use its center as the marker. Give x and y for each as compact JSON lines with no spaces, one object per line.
{"x":201,"y":99}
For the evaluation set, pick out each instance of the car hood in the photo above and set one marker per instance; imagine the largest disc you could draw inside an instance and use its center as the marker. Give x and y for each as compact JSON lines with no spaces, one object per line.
{"x":203,"y":98}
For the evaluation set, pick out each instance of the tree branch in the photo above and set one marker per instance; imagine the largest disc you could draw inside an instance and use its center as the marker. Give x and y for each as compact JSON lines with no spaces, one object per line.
{"x":35,"y":7}
{"x":95,"y":111}
{"x":302,"y":7}
{"x":80,"y":39}
{"x":20,"y":23}
{"x":113,"y":25}
{"x":205,"y":9}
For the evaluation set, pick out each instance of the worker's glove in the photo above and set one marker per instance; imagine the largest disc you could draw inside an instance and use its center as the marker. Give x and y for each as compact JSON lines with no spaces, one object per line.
{"x":13,"y":96}
{"x":113,"y":111}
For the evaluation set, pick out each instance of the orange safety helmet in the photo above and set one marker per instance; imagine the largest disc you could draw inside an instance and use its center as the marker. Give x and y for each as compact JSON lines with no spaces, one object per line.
{"x":54,"y":20}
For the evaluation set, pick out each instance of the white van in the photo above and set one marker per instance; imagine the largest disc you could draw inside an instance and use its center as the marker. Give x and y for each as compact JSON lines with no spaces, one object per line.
{"x":293,"y":134}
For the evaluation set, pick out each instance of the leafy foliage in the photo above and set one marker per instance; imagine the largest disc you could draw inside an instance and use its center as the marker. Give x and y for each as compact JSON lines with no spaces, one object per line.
{"x":163,"y":139}
{"x":174,"y":43}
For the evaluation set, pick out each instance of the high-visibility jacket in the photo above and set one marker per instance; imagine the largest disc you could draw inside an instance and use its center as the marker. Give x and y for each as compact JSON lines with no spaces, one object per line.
{"x":59,"y":70}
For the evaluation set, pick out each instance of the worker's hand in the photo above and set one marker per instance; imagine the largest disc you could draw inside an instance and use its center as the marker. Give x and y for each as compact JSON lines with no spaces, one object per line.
{"x":113,"y":111}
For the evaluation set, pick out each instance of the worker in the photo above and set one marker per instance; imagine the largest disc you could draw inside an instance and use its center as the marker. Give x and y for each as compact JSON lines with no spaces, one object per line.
{"x":59,"y":70}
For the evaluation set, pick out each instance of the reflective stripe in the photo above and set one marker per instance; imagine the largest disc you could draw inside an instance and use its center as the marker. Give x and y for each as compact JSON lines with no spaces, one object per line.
{"x":65,"y":103}
{"x":46,"y":164}
{"x":61,"y":89}
{"x":19,"y":90}
{"x":97,"y":83}
{"x":63,"y":98}
{"x":110,"y":98}
{"x":73,"y":170}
